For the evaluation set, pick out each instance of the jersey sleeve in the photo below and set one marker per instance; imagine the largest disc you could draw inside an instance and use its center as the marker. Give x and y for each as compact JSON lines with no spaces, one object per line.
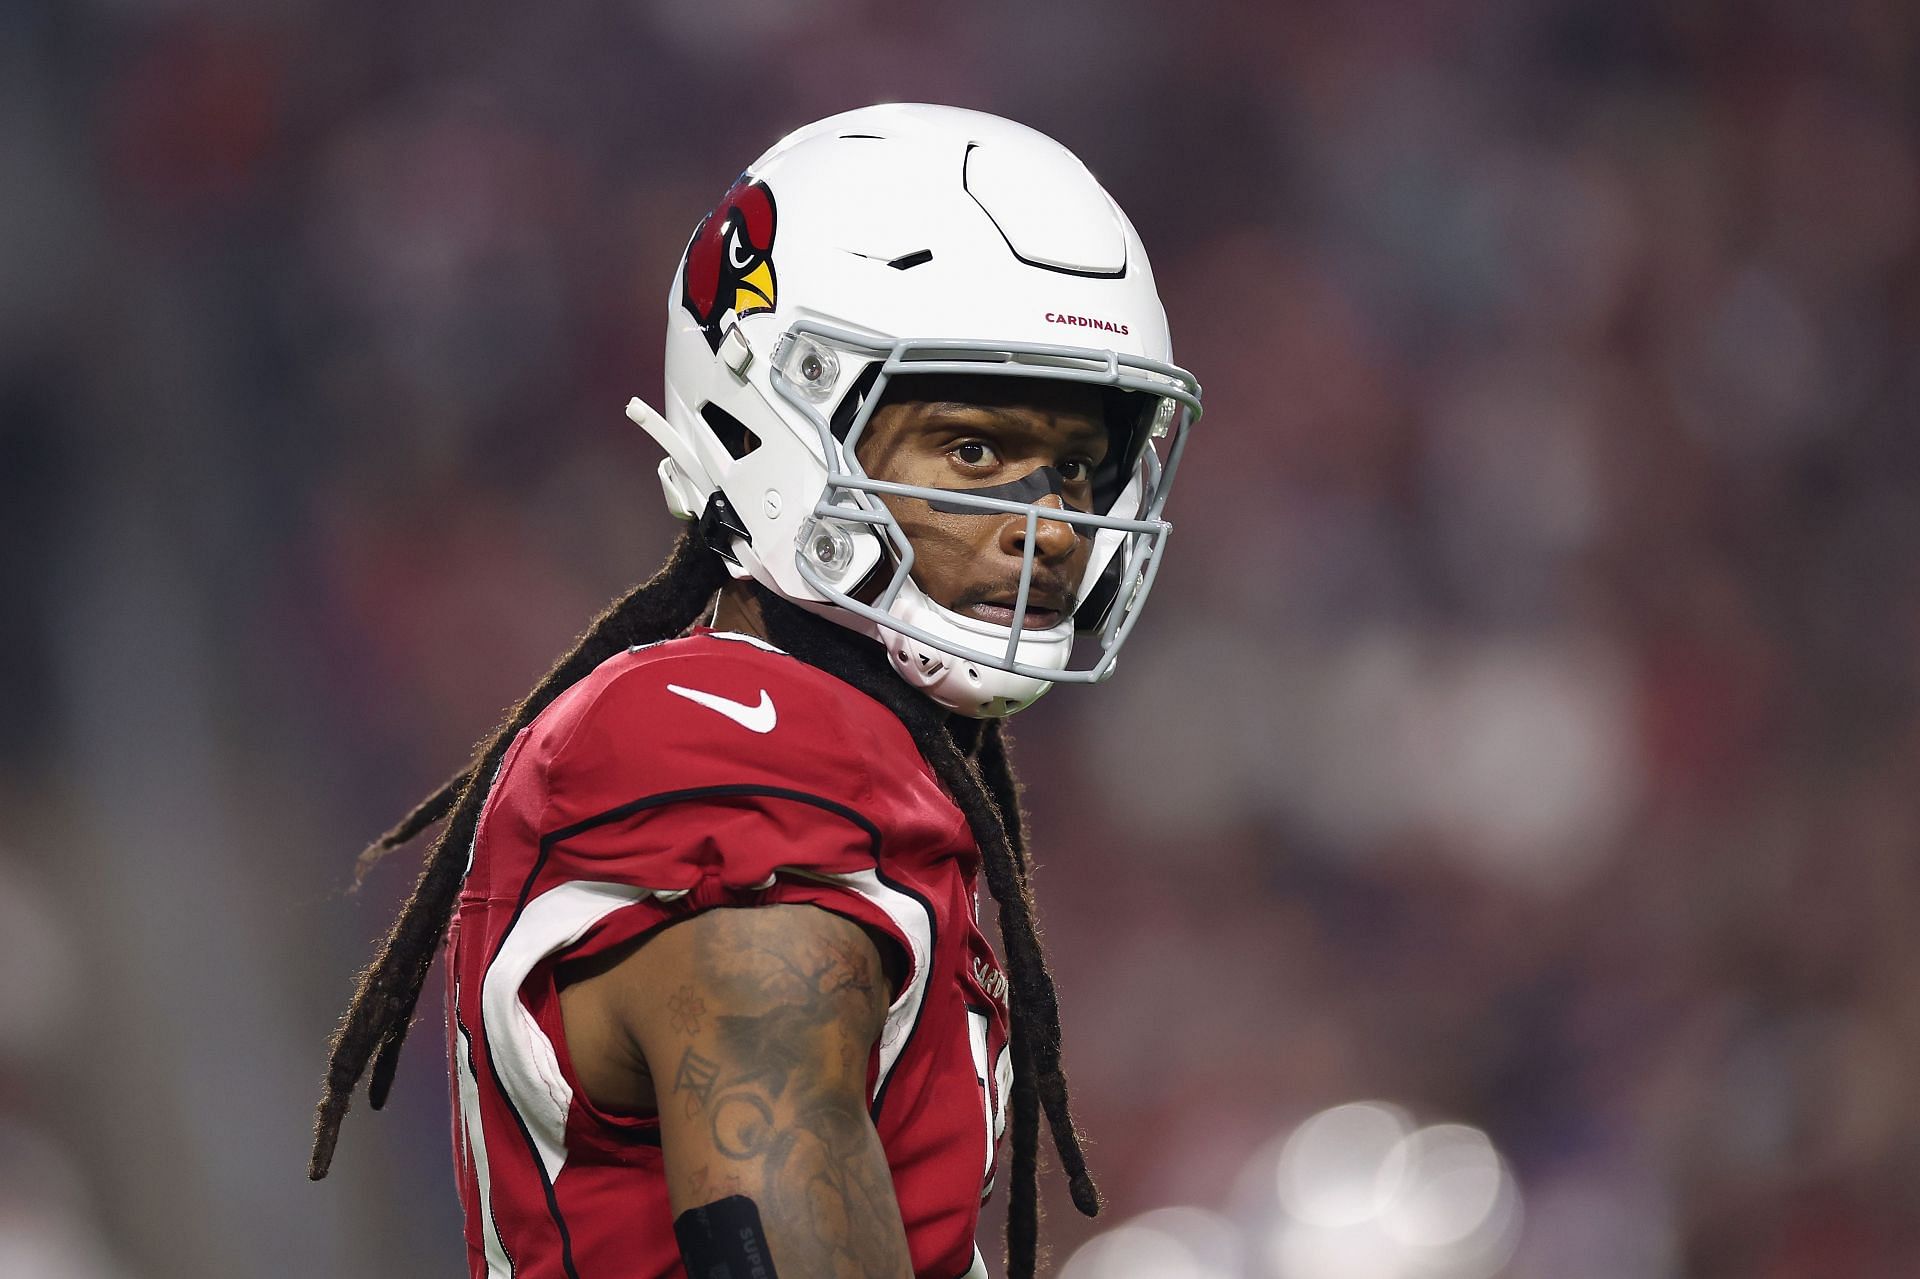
{"x":704,"y":774}
{"x":719,"y":777}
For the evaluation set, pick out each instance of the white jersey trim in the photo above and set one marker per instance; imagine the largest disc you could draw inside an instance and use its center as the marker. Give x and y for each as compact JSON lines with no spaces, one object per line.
{"x":473,"y":1149}
{"x":915,"y":922}
{"x":524,"y":1059}
{"x":523,"y":1056}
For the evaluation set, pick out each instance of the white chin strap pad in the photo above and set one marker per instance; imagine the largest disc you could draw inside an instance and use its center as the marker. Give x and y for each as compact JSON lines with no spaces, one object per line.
{"x":968,"y":688}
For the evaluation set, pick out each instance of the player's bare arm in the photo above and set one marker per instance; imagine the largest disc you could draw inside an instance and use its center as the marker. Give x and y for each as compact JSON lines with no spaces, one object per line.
{"x":752,"y":1029}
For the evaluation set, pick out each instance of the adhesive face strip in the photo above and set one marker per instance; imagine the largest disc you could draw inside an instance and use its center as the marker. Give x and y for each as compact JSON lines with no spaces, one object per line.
{"x":1045,"y":481}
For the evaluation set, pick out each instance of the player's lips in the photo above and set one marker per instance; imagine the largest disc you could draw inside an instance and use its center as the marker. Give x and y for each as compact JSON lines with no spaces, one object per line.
{"x":1042,"y":612}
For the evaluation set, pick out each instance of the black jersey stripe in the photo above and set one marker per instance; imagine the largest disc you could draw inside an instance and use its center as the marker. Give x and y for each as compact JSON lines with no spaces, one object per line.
{"x":732,"y":790}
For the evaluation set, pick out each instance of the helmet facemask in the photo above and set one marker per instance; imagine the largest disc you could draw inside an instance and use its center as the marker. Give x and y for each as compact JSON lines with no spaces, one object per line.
{"x":854,"y":553}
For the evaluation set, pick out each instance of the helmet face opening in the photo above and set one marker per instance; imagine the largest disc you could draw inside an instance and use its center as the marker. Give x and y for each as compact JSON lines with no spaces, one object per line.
{"x":1126,"y":524}
{"x":1127,"y":416}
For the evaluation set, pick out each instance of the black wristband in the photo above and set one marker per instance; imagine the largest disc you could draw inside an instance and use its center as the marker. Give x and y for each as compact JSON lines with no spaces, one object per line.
{"x":723,"y":1240}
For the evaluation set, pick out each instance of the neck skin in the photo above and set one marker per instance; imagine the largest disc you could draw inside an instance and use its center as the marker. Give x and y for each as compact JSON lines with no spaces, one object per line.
{"x":739,"y":611}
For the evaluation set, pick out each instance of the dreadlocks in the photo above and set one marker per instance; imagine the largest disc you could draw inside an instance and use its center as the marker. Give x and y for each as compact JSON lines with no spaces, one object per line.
{"x":970,"y":759}
{"x":983,"y":784}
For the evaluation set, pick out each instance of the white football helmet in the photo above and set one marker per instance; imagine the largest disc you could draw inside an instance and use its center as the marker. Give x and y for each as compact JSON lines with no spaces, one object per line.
{"x":894,"y":241}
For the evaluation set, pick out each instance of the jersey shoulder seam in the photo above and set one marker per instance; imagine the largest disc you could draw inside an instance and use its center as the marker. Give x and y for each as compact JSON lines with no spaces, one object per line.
{"x":833,"y":690}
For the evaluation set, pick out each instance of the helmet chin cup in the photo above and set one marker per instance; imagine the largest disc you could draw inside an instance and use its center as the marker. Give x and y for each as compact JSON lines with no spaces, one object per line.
{"x":962,"y":685}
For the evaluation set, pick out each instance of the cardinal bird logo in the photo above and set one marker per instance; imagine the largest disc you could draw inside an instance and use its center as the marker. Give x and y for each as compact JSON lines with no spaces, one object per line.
{"x":730,"y":259}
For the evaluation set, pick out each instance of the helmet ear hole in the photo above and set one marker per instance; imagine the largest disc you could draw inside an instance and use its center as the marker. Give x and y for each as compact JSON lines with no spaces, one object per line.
{"x":733,"y":434}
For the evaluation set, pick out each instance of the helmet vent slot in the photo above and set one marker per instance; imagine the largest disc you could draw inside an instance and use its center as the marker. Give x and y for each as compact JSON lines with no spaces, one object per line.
{"x":849,"y":406}
{"x":908,"y":261}
{"x":730,"y":430}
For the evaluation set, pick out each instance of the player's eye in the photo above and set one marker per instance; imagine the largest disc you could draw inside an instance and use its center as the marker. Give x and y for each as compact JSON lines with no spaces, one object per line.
{"x":974,"y":453}
{"x":1076,"y":470}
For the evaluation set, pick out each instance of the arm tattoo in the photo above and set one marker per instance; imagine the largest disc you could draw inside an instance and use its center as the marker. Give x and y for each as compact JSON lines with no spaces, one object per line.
{"x":742,"y":1126}
{"x":695,"y":1078}
{"x":780,"y":1108}
{"x":688,"y":1009}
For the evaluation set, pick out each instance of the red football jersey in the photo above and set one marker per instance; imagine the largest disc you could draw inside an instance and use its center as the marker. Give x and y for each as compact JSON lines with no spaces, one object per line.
{"x":708,"y":771}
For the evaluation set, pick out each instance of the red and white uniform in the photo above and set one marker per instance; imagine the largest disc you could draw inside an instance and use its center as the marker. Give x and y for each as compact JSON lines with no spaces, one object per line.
{"x":708,"y":771}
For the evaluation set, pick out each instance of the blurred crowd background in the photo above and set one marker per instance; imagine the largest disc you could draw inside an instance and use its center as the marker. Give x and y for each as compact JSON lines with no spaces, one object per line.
{"x":1524,"y":734}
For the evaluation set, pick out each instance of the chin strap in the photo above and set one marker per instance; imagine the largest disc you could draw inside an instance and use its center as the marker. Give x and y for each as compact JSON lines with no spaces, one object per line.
{"x":719,"y":525}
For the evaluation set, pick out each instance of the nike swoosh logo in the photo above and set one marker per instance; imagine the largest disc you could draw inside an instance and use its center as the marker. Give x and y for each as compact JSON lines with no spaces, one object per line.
{"x":755,"y":719}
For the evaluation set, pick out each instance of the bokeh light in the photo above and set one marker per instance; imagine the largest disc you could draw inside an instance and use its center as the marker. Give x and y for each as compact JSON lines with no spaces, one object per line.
{"x":1360,"y":1192}
{"x":1344,"y":1166}
{"x":1167,"y":1243}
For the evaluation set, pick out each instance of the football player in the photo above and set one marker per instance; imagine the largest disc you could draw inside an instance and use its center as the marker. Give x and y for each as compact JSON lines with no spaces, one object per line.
{"x":717,"y":995}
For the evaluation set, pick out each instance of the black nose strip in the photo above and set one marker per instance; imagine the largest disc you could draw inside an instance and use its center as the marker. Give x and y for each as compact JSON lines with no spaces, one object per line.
{"x":1045,"y":481}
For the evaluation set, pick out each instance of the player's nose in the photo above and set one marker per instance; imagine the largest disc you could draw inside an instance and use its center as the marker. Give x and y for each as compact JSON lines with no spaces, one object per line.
{"x":1053,"y":539}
